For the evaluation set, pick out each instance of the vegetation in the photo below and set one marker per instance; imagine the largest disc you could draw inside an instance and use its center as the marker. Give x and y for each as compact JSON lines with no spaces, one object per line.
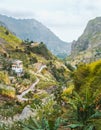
{"x":44,"y":124}
{"x":70,"y":67}
{"x":88,"y":76}
{"x":11,"y":39}
{"x":84,"y":113}
{"x":7,"y":91}
{"x":40,"y":49}
{"x":4,"y":78}
{"x":60,"y":96}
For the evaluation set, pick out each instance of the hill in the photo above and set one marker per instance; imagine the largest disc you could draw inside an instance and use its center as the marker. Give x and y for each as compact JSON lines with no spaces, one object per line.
{"x":33,"y":30}
{"x":42,"y":73}
{"x":88,"y":46}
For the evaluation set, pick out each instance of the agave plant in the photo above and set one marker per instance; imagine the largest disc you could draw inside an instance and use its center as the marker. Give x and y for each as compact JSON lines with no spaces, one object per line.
{"x":44,"y":124}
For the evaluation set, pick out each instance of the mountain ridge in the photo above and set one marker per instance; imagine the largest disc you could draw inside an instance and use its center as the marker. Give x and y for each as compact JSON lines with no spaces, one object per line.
{"x":88,"y":46}
{"x":34,"y":30}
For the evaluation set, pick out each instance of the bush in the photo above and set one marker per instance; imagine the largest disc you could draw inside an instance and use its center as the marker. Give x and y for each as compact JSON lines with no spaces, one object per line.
{"x":33,"y":60}
{"x":80,"y":77}
{"x":4,"y":78}
{"x":7,"y":32}
{"x":40,"y":49}
{"x":70,"y":67}
{"x":7,"y":91}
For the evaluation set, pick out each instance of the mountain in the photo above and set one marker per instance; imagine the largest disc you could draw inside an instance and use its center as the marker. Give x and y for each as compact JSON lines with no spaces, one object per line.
{"x":88,"y":46}
{"x":38,"y":64}
{"x":33,"y":30}
{"x":42,"y":73}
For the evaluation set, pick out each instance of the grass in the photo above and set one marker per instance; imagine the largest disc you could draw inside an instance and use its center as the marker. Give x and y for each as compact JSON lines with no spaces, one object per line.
{"x":7,"y":91}
{"x":4,"y":78}
{"x":10,"y":38}
{"x":43,"y":84}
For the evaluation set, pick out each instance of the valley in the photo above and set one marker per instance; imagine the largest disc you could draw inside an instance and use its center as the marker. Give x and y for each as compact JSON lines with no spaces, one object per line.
{"x":39,"y":91}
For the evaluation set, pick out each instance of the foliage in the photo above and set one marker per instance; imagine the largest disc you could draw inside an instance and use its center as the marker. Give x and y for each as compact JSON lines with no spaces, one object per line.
{"x":80,"y":76}
{"x":44,"y":124}
{"x":33,"y":60}
{"x":70,"y":67}
{"x":7,"y":32}
{"x":27,"y":42}
{"x":84,"y":112}
{"x":4,"y":78}
{"x":67,"y":92}
{"x":40,"y":49}
{"x":29,"y":76}
{"x":87,"y":76}
{"x":15,"y":126}
{"x":58,"y":94}
{"x":43,"y":84}
{"x":11,"y":108}
{"x":58,"y":73}
{"x":7,"y":91}
{"x":21,"y":56}
{"x":46,"y":108}
{"x":11,"y":39}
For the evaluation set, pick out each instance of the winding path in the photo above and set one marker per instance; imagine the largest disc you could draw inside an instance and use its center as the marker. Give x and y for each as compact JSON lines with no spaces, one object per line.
{"x":27,"y":112}
{"x":20,"y":97}
{"x":31,"y":88}
{"x":42,"y":67}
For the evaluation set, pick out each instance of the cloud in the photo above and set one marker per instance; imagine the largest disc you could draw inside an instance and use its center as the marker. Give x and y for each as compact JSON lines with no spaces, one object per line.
{"x":64,"y":17}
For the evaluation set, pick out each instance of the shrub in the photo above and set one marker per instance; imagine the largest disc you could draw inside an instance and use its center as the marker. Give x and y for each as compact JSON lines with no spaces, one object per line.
{"x":4,"y":78}
{"x":7,"y":32}
{"x":43,"y":124}
{"x":70,"y":67}
{"x":84,"y":114}
{"x":40,"y":49}
{"x":80,"y":77}
{"x":7,"y":91}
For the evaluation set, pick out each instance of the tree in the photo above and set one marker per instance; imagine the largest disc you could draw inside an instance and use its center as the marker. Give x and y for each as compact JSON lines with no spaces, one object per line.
{"x":7,"y":32}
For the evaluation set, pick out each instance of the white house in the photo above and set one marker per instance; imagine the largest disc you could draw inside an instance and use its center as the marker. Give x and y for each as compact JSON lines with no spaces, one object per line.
{"x":17,"y":66}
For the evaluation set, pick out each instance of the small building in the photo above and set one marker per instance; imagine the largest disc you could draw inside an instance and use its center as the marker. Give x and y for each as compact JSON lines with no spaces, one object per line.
{"x":17,"y":66}
{"x":34,"y":44}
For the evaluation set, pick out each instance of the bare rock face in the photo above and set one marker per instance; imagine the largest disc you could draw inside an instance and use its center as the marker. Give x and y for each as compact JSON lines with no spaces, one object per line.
{"x":26,"y":113}
{"x":90,"y":40}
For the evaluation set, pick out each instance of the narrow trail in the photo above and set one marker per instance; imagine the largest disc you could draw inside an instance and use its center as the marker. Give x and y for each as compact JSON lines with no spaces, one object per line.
{"x":27,"y":110}
{"x":42,"y":67}
{"x":32,"y":87}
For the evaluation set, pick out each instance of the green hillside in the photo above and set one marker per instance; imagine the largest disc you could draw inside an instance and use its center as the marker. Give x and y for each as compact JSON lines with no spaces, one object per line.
{"x":8,"y":39}
{"x":42,"y":74}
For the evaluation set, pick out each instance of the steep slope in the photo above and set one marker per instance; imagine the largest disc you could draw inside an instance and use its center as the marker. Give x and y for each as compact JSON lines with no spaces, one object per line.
{"x":7,"y":40}
{"x":42,"y":74}
{"x":34,"y":58}
{"x":34,"y":30}
{"x":88,"y":46}
{"x":88,"y":77}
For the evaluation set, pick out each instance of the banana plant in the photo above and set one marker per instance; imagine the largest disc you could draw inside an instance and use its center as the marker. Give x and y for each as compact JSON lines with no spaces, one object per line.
{"x":84,"y":113}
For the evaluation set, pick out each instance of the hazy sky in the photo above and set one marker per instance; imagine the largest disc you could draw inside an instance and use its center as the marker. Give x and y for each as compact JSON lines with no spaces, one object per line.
{"x":66,"y":18}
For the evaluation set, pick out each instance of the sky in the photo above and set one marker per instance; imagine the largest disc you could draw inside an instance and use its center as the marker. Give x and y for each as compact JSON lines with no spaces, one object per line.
{"x":66,"y":18}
